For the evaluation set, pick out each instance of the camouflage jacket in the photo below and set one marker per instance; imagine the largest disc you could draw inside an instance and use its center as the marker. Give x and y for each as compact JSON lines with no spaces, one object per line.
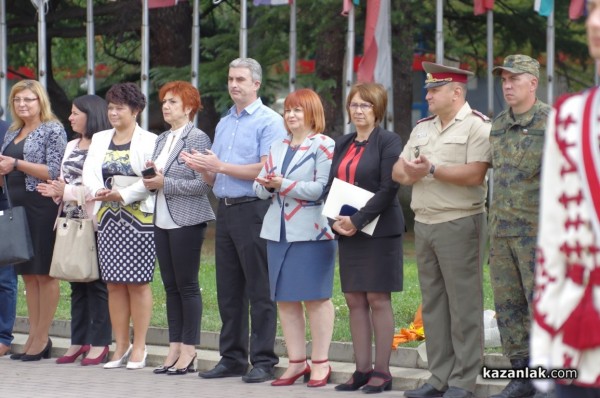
{"x":517,"y":145}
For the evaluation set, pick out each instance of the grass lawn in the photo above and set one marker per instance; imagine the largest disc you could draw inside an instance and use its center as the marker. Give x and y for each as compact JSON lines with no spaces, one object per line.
{"x":405,"y":303}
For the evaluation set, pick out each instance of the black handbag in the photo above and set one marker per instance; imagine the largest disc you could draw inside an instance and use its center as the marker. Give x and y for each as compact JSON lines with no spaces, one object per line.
{"x":15,"y":239}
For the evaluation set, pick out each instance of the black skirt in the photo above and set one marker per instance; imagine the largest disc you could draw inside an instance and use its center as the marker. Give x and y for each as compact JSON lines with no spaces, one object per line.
{"x":371,"y":264}
{"x":41,"y":216}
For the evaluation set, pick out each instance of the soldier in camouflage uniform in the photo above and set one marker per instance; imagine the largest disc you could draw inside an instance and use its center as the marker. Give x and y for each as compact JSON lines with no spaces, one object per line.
{"x":517,"y":140}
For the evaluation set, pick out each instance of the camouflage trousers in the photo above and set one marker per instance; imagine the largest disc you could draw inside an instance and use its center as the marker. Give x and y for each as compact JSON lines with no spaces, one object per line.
{"x":512,"y":264}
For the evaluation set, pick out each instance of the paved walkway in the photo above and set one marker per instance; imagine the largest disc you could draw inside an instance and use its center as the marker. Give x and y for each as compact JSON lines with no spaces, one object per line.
{"x":45,"y":379}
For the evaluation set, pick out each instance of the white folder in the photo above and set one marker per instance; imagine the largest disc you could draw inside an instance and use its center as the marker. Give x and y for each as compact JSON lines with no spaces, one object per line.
{"x":342,"y":193}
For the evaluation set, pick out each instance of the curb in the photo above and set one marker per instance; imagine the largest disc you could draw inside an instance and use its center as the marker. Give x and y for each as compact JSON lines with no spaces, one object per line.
{"x":408,"y":370}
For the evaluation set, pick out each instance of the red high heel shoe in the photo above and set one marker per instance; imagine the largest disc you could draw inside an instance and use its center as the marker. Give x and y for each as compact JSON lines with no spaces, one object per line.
{"x":96,"y":361}
{"x":288,"y":381}
{"x":323,"y":381}
{"x":71,"y":358}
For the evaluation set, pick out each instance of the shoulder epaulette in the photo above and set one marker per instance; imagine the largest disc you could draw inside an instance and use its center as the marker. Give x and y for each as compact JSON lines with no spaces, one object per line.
{"x":425,"y":118}
{"x":481,"y":115}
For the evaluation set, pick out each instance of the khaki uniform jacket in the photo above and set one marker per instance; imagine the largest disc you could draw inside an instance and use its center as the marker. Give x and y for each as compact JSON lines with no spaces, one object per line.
{"x":463,"y":141}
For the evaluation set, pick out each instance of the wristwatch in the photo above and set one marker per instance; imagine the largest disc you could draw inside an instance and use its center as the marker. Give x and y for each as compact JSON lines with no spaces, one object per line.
{"x":432,"y":170}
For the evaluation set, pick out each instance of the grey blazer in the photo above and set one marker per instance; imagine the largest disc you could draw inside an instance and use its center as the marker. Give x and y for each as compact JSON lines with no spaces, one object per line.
{"x":184,"y":189}
{"x":300,"y":198}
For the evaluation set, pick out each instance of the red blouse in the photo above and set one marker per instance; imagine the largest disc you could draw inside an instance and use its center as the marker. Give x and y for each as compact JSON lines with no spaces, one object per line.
{"x":347,"y":168}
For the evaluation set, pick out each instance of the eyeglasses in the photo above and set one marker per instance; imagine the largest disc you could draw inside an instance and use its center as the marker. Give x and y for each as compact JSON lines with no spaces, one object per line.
{"x":365,"y":106}
{"x":28,"y":101}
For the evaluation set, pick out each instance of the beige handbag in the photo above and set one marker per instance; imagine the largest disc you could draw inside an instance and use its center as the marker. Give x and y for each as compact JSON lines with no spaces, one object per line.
{"x":75,"y":258}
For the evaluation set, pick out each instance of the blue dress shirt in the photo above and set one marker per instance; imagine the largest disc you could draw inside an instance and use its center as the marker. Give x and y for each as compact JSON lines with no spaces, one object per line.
{"x":244,"y":139}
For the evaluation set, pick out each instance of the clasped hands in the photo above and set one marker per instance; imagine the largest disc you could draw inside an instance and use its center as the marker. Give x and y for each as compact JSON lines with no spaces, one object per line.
{"x":202,"y":162}
{"x":52,"y":188}
{"x":343,"y":225}
{"x":270,"y":181}
{"x":416,"y":168}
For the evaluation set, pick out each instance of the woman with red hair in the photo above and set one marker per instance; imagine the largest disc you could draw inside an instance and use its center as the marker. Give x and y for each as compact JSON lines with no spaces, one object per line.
{"x":300,"y":245}
{"x":180,"y":217}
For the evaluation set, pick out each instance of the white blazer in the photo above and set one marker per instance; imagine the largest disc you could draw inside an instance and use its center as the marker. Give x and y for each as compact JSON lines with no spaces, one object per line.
{"x":142,"y":146}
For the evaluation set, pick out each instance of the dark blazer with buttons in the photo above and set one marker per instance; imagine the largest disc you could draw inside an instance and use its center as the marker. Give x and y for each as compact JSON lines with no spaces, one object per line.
{"x":184,"y":189}
{"x":374,"y":173}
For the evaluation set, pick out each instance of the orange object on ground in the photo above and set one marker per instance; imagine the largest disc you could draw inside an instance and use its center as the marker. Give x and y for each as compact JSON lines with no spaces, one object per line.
{"x":414,"y":332}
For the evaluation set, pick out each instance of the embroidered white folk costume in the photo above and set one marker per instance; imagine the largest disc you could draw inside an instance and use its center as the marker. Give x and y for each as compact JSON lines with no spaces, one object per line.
{"x":566,"y":328}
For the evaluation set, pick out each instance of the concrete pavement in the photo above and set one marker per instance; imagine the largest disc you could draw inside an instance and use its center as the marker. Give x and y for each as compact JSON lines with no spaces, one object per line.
{"x":46,"y":379}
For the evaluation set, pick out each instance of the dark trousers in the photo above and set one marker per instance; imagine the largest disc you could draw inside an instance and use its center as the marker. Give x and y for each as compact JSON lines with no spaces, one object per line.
{"x":8,"y":303}
{"x":242,"y":279}
{"x":90,"y":321}
{"x":571,"y":391}
{"x":178,"y":251}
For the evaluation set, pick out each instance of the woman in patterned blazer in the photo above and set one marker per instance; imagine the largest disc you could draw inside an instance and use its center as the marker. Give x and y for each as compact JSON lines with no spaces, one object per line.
{"x":300,"y":245}
{"x":180,"y":217}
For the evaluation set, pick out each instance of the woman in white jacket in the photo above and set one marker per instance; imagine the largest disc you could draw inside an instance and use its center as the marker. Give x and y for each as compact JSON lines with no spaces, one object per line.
{"x":90,"y":322}
{"x":125,"y":221}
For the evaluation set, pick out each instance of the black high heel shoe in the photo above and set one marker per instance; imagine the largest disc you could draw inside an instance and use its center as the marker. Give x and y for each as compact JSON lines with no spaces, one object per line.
{"x":36,"y":357}
{"x":161,"y":370}
{"x":17,"y":356}
{"x":359,"y":379}
{"x":188,"y":369}
{"x":385,"y":386}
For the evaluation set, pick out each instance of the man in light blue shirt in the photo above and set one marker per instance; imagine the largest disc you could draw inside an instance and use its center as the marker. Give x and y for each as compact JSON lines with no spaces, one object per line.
{"x":242,"y":141}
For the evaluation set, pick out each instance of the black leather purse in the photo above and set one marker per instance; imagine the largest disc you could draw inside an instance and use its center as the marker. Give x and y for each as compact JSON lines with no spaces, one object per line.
{"x":15,"y":240}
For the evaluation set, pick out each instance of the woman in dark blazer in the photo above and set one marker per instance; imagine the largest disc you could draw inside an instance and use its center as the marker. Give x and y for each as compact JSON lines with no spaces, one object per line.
{"x":370,"y":266}
{"x":181,"y":213}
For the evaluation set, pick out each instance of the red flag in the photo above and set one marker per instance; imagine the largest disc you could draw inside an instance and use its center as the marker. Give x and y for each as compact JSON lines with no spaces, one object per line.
{"x":375,"y":65}
{"x":576,"y":9}
{"x":482,"y":6}
{"x":161,"y":3}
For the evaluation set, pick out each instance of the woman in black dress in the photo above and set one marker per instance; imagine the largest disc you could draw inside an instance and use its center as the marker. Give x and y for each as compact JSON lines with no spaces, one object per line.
{"x":90,"y":322}
{"x":32,"y":153}
{"x":370,"y":265}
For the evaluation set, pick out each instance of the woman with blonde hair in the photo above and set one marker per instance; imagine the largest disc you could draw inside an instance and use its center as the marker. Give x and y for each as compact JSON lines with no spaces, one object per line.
{"x":31,"y":154}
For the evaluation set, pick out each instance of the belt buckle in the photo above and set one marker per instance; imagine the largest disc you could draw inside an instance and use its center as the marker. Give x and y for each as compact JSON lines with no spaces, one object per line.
{"x":226,"y":202}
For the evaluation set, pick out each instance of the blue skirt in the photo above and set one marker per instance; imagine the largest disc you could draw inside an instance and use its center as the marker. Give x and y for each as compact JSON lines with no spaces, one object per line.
{"x":301,"y":271}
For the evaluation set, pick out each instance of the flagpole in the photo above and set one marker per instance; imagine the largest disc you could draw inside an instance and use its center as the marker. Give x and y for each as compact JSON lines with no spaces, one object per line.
{"x":3,"y":55}
{"x":89,"y":31}
{"x":550,"y":54}
{"x":144,"y":83}
{"x":41,"y":9}
{"x":490,"y":61}
{"x":439,"y":32}
{"x":195,"y":49}
{"x":293,"y":55}
{"x":244,"y":29}
{"x":389,"y":79}
{"x":349,"y":66}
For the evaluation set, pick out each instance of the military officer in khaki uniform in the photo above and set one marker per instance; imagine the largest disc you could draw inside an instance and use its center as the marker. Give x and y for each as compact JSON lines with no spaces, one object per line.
{"x":446,"y":160}
{"x":517,"y":140}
